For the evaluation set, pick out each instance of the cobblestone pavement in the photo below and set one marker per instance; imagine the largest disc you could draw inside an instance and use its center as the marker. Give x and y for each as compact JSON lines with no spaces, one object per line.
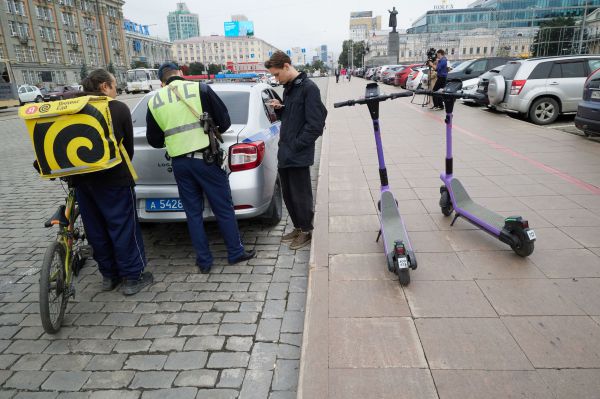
{"x":233,"y":333}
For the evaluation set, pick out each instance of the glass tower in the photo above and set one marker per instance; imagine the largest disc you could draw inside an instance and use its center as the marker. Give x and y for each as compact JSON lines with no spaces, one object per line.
{"x":182,"y":23}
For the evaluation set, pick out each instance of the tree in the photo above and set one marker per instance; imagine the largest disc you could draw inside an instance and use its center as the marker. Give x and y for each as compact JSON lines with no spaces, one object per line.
{"x":197,"y":68}
{"x":213,"y":69}
{"x":83,"y":72}
{"x":137,"y":64}
{"x":555,"y":37}
{"x":357,"y":48}
{"x":318,"y":65}
{"x":185,"y":70}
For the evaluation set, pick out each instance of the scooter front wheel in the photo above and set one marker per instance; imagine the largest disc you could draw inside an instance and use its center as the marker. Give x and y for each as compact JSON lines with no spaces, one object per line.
{"x":524,"y":247}
{"x":446,"y":202}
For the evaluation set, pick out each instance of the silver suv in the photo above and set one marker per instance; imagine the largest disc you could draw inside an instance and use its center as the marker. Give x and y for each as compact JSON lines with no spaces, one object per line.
{"x":541,"y":88}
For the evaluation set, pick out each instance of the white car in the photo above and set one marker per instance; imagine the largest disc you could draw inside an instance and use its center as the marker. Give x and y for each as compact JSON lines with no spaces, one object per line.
{"x":251,"y":145}
{"x":415,"y":79}
{"x":469,"y":86}
{"x":30,"y":94}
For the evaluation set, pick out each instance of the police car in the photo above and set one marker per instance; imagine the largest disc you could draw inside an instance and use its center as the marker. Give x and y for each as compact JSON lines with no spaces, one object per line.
{"x":251,"y":145}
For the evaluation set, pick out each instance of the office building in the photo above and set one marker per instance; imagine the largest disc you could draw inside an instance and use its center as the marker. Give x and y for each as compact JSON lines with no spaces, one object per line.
{"x":243,"y":53}
{"x":182,"y":23}
{"x":362,"y":24}
{"x":501,"y":14}
{"x":324,"y":53}
{"x":142,"y":48}
{"x":46,"y":43}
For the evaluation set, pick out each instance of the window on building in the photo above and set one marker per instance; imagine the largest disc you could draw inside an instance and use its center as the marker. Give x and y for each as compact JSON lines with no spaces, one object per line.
{"x":485,"y":50}
{"x":464,"y":50}
{"x":478,"y":50}
{"x":471,"y":50}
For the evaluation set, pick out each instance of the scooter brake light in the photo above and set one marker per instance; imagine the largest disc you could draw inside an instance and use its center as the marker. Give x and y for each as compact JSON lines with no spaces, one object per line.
{"x":517,"y":86}
{"x":400,"y":250}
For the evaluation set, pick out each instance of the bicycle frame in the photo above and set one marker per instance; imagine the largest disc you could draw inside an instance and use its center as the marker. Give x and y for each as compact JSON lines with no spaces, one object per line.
{"x":65,"y":236}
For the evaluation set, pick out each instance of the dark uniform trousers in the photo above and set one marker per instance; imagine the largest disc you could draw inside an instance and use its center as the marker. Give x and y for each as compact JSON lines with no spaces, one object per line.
{"x":112,"y":228}
{"x":297,"y":195}
{"x":195,"y":179}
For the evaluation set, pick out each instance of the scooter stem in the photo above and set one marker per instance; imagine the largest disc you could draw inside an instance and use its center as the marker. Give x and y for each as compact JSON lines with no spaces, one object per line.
{"x":449,"y":163}
{"x":382,"y":169}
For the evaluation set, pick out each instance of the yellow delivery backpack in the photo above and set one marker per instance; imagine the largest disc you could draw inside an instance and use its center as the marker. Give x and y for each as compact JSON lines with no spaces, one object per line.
{"x":72,"y":137}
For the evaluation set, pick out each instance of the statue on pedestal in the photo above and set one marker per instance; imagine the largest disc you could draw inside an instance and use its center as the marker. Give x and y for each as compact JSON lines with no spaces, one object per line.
{"x":393,"y":21}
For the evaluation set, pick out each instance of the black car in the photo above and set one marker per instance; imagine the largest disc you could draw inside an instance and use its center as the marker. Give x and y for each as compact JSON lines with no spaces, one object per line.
{"x":475,"y":68}
{"x":588,"y":111}
{"x":484,"y":81}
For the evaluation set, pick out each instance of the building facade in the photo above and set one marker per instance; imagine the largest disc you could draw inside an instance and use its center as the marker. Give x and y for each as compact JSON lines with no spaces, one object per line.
{"x":501,"y":14}
{"x":248,"y":53}
{"x":143,"y":48}
{"x":47,"y":43}
{"x":297,"y":56}
{"x":324,"y":53}
{"x":182,"y":23}
{"x":362,"y":24}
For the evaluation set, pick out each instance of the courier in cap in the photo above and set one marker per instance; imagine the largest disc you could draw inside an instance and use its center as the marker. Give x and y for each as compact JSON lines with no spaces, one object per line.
{"x":172,"y":122}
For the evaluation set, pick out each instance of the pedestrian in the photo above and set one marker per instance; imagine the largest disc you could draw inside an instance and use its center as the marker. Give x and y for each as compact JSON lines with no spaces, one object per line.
{"x":172,"y":122}
{"x":302,"y":122}
{"x":343,"y":73}
{"x":107,"y":203}
{"x":337,"y":75}
{"x":349,"y":74}
{"x":441,"y":69}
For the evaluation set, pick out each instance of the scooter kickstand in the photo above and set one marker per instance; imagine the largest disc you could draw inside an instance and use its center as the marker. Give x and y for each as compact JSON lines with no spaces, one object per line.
{"x":456,"y":216}
{"x":378,"y":236}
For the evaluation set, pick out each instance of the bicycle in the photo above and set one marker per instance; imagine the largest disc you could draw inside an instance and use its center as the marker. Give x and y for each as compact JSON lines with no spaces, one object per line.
{"x":63,"y":260}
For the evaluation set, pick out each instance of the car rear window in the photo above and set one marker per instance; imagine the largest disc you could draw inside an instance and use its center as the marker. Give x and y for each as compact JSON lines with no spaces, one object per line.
{"x":235,"y":101}
{"x":541,"y":71}
{"x":510,"y":70}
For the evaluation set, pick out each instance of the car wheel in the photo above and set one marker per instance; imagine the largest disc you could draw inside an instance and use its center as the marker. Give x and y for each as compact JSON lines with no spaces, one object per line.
{"x":274,"y":213}
{"x":544,"y":111}
{"x":39,"y":99}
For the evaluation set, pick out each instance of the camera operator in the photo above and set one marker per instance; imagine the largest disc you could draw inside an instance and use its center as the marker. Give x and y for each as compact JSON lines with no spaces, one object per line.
{"x":441,"y":69}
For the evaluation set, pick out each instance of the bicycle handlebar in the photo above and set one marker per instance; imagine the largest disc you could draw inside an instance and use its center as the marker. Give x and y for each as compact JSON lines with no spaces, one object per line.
{"x":365,"y":100}
{"x":458,"y":94}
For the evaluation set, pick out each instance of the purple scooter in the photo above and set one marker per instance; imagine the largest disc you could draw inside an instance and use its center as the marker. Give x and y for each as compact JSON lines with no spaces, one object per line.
{"x":398,"y":251}
{"x":513,"y":230}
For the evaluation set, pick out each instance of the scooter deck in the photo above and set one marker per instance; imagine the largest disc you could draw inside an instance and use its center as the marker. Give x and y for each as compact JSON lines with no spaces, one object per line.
{"x":392,"y":222}
{"x":463,"y":201}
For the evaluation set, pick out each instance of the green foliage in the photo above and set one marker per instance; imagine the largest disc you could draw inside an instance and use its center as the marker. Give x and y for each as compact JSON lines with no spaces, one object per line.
{"x":358,"y":50}
{"x":214,"y":69}
{"x":196,"y":68}
{"x":134,"y":65}
{"x":319,"y":65}
{"x":111,"y":68}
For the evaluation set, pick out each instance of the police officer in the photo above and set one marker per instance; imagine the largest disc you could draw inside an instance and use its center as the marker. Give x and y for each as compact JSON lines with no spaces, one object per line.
{"x":172,"y":124}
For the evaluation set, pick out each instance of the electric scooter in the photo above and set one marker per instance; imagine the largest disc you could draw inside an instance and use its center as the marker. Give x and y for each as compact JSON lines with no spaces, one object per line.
{"x":398,"y":251}
{"x":512,"y":230}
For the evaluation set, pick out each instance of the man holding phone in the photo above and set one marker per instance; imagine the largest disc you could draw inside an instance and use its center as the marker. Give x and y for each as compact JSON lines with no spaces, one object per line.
{"x":302,"y":122}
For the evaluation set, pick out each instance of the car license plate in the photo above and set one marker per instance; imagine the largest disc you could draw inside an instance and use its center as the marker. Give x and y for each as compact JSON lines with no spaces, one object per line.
{"x":531,"y":235}
{"x":596,"y":94}
{"x":403,"y":263}
{"x":164,"y":205}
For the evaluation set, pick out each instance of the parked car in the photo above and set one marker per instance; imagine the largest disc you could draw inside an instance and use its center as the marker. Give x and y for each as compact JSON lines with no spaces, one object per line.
{"x":482,"y":85}
{"x":402,"y":74}
{"x":369,"y":73}
{"x":251,"y":143}
{"x":389,"y":75}
{"x":63,"y":92}
{"x":469,"y":86}
{"x":475,"y":68}
{"x":273,"y":81}
{"x":415,"y":79}
{"x":541,"y":88}
{"x":588,"y":110}
{"x":30,"y":94}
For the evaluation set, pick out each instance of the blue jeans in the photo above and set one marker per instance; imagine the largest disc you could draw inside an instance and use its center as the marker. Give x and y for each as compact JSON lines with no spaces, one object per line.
{"x":112,"y":229}
{"x":195,"y":179}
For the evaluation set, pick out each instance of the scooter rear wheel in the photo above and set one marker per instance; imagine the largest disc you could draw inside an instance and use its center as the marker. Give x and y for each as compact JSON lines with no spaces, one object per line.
{"x":445,"y":202}
{"x":403,"y":274}
{"x":524,"y":247}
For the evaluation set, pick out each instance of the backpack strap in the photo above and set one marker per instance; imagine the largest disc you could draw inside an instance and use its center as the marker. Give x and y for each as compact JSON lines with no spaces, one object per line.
{"x":125,"y":156}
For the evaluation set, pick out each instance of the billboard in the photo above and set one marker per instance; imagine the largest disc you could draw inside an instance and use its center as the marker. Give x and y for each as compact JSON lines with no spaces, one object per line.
{"x":239,"y":28}
{"x":361,"y":14}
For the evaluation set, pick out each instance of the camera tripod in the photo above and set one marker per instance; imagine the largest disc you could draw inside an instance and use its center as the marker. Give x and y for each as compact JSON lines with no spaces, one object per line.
{"x":426,"y":97}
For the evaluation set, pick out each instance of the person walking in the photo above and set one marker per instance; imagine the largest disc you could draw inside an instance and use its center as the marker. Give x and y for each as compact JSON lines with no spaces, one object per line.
{"x":107,"y":203}
{"x":302,"y":122}
{"x":337,"y":75}
{"x":172,"y":122}
{"x":441,"y":69}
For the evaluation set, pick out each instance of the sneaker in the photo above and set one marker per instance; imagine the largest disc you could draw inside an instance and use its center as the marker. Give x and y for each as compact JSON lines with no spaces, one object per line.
{"x":302,"y":240}
{"x":245,"y":256}
{"x":110,"y":283}
{"x":289,"y":237}
{"x":205,"y":270}
{"x":131,"y":287}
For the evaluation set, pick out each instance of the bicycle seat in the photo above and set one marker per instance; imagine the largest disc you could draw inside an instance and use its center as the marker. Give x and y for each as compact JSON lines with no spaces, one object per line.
{"x":59,"y":218}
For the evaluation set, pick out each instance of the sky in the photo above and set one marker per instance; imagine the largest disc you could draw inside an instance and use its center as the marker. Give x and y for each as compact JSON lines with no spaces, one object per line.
{"x":284,"y":24}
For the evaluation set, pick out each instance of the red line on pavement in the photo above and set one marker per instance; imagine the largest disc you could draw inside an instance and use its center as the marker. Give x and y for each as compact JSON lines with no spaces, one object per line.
{"x":565,"y":176}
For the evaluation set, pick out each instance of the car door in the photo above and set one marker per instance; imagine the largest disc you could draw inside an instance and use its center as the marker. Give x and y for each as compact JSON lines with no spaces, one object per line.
{"x":566,"y":80}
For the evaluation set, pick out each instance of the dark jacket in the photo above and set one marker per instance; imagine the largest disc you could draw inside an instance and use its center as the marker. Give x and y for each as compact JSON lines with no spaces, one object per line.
{"x":211,"y":103}
{"x":302,"y":122}
{"x":119,"y":175}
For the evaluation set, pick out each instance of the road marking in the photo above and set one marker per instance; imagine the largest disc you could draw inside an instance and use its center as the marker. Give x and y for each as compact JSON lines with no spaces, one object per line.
{"x":558,"y":173}
{"x":560,"y":126}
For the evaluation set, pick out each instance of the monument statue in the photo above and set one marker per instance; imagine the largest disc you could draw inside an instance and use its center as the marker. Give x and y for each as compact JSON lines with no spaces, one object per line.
{"x":393,"y":22}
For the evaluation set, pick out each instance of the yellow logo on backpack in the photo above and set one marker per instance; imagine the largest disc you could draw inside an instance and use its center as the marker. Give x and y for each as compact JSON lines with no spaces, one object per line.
{"x":72,"y":137}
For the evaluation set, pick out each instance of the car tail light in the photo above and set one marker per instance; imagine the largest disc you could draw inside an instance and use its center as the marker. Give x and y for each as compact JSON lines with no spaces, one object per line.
{"x":245,"y":156}
{"x":516,"y":87}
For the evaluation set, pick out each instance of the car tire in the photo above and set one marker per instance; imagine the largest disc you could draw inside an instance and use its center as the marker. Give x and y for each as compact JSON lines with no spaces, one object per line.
{"x":544,"y":111}
{"x":39,"y":99}
{"x":274,"y":213}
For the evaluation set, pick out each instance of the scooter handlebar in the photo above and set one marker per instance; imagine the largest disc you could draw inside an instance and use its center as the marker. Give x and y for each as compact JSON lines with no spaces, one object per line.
{"x":364,"y":100}
{"x":458,"y":94}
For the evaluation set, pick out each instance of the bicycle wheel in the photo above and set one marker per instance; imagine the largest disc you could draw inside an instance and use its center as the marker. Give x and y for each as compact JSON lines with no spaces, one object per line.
{"x":54,"y":293}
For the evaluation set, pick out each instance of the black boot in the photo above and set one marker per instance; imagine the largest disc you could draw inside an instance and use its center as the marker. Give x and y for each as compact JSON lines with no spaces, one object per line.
{"x":131,"y":287}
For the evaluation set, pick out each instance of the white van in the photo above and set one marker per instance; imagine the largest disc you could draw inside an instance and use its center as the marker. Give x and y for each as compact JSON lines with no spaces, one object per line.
{"x":142,"y":80}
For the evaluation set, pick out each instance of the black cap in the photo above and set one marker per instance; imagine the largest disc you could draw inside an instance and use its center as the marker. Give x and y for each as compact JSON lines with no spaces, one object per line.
{"x":167,"y":66}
